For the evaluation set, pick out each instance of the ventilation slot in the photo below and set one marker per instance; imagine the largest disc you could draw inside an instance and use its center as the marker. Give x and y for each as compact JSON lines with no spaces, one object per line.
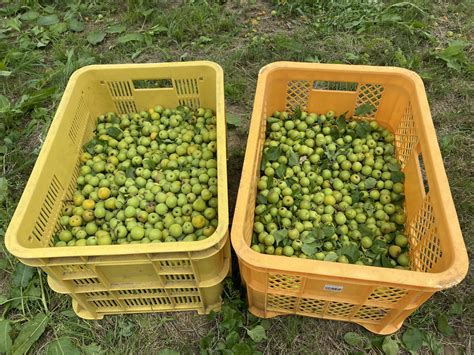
{"x":387,"y":295}
{"x":371,"y":313}
{"x":280,"y":302}
{"x":368,"y":101}
{"x":188,"y":92}
{"x":173,"y":264}
{"x":284,"y":282}
{"x":44,"y":216}
{"x":339,"y":310}
{"x":121,"y":93}
{"x":314,"y":307}
{"x":86,"y":282}
{"x":79,"y":122}
{"x":297,"y":94}
{"x":187,"y":299}
{"x":179,"y":277}
{"x":334,"y":85}
{"x":423,"y":237}
{"x":406,"y":138}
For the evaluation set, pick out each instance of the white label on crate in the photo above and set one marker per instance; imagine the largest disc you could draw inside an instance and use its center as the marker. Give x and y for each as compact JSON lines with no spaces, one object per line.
{"x":333,"y":288}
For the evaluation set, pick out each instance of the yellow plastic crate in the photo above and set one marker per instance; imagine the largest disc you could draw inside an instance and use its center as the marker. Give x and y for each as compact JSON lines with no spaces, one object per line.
{"x":377,"y":298}
{"x":188,"y":273}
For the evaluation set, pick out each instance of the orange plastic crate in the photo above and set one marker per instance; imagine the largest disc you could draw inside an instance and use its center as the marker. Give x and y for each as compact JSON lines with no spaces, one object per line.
{"x":377,"y":298}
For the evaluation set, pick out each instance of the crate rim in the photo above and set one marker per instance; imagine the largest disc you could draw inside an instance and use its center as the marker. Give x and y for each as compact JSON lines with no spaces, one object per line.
{"x":451,"y":276}
{"x":16,"y":249}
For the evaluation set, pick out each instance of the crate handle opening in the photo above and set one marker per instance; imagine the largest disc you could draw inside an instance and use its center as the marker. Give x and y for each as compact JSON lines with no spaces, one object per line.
{"x":153,"y":84}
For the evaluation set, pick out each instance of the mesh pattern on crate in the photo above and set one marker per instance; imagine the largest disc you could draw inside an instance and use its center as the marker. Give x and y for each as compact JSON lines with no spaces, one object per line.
{"x":284,"y":282}
{"x":369,"y":97}
{"x":122,"y":95}
{"x":387,"y":295}
{"x":406,"y":137}
{"x":339,"y":310}
{"x":297,"y":94}
{"x":424,"y":240}
{"x":43,"y":220}
{"x":81,"y":115}
{"x":314,"y":307}
{"x":280,"y":302}
{"x":371,"y":313}
{"x":188,"y":92}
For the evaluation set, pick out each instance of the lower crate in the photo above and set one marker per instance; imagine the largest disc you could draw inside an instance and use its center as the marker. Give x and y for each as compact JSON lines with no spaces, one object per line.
{"x":377,"y":319}
{"x":133,"y":297}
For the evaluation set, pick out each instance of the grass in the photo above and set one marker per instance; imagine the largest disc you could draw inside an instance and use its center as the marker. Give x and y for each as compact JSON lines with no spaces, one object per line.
{"x":36,"y":62}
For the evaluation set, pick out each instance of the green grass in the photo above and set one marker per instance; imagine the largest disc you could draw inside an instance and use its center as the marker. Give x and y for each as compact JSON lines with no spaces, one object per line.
{"x":36,"y":62}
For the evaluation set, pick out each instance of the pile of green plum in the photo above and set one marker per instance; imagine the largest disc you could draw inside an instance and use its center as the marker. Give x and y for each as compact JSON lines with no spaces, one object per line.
{"x":146,"y":177}
{"x":330,"y":189}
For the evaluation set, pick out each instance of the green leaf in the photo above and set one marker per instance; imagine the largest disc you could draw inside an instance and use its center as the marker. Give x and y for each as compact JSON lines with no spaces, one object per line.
{"x":280,"y":171}
{"x":351,"y":251}
{"x":390,"y":346}
{"x":365,"y":231}
{"x":364,"y":110}
{"x":354,"y":339}
{"x":328,"y":230}
{"x":5,"y":339}
{"x":5,"y":73}
{"x":92,"y":349}
{"x":76,"y":25}
{"x":242,"y":349}
{"x":385,"y":261}
{"x":29,"y":333}
{"x":413,"y":339}
{"x":168,"y":351}
{"x":130,"y":172}
{"x":362,"y":129}
{"x":272,"y":153}
{"x":117,"y":28}
{"x":443,"y":325}
{"x":293,"y":158}
{"x":296,"y":115}
{"x":279,"y":235}
{"x":58,"y":28}
{"x":95,"y":37}
{"x":341,"y":121}
{"x":47,"y":20}
{"x":114,"y":132}
{"x":62,"y":346}
{"x":370,"y":183}
{"x":355,"y":196}
{"x":398,"y":176}
{"x":456,"y":309}
{"x":3,"y":189}
{"x":131,"y":37}
{"x":261,"y":200}
{"x":149,"y":164}
{"x":29,"y":16}
{"x":257,"y":334}
{"x":435,"y":345}
{"x":310,"y":248}
{"x":330,"y":257}
{"x":4,"y":103}
{"x":232,"y":339}
{"x":22,"y":275}
{"x":393,"y":167}
{"x":233,"y":120}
